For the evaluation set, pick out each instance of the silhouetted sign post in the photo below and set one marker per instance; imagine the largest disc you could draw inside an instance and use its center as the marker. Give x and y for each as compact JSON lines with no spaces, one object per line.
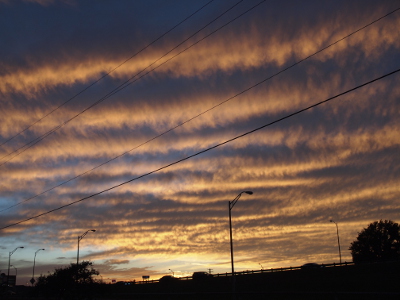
{"x":11,"y":280}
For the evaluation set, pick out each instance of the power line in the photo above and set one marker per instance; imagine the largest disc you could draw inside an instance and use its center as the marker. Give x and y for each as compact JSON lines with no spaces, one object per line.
{"x":118,"y":88}
{"x":99,"y":79}
{"x":208,"y":149}
{"x":202,"y":113}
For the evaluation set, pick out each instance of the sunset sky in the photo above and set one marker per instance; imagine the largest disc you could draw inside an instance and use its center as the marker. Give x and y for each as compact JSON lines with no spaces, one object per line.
{"x":148,"y":117}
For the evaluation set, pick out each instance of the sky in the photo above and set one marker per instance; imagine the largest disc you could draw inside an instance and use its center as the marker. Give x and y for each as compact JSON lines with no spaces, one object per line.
{"x":144,"y":119}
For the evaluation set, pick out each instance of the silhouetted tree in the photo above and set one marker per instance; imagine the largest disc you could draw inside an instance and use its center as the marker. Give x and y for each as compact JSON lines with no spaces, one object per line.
{"x":380,"y":241}
{"x":73,"y":282}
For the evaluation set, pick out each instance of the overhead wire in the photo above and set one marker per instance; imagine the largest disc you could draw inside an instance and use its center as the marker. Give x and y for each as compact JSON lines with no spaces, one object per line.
{"x":105,"y":75}
{"x":122,"y":86}
{"x":204,"y":112}
{"x":207,"y":149}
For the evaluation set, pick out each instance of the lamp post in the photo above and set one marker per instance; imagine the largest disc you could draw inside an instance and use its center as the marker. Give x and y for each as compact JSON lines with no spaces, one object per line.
{"x":9,"y":261}
{"x":79,"y":239}
{"x":33,"y":271}
{"x":231,"y":205}
{"x":337,"y":233}
{"x":172,"y":272}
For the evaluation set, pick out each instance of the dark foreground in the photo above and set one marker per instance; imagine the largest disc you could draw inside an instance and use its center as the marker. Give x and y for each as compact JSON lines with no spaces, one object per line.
{"x":370,"y":281}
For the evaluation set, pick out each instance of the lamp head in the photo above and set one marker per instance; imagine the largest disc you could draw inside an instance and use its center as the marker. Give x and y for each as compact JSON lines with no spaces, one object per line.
{"x":21,"y":247}
{"x":93,"y":230}
{"x":330,"y":220}
{"x":249,"y":192}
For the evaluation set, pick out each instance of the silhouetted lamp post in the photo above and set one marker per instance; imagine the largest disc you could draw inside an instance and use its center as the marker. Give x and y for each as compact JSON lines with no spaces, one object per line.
{"x":337,"y":233}
{"x":79,"y":239}
{"x":231,"y":205}
{"x":172,"y":272}
{"x":33,"y":271}
{"x":9,"y":261}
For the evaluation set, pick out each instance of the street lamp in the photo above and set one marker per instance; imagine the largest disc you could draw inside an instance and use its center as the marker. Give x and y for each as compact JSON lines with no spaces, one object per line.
{"x":33,"y":272}
{"x":9,"y":260}
{"x":172,"y":272}
{"x":337,"y":233}
{"x":231,"y":205}
{"x":79,"y":239}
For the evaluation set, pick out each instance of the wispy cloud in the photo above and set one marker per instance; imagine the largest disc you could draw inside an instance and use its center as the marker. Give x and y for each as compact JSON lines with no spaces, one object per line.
{"x":338,"y":160}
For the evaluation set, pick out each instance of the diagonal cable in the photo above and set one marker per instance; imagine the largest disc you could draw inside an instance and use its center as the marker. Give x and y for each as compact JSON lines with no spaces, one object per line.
{"x":208,"y":149}
{"x":198,"y":115}
{"x":105,"y":75}
{"x":125,"y":84}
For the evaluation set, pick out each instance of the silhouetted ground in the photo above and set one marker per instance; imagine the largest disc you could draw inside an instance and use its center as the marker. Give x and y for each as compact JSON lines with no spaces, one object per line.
{"x":369,"y":281}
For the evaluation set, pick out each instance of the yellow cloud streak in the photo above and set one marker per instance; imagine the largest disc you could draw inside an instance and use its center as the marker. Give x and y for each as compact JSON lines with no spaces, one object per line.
{"x":238,"y":50}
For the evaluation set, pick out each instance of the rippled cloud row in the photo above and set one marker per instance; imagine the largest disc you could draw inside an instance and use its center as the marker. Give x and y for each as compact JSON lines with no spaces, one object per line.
{"x":335,"y":161}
